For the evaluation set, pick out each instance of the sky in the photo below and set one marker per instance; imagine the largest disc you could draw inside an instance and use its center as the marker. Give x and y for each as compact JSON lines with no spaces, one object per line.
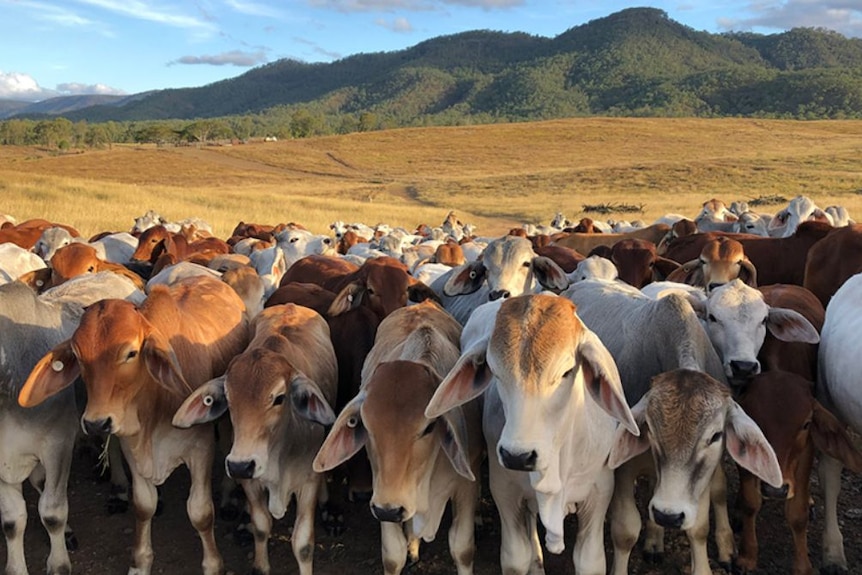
{"x":54,"y":48}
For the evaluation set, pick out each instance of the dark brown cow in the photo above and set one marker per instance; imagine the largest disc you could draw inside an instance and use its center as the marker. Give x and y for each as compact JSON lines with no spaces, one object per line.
{"x":832,"y":261}
{"x":795,"y":424}
{"x":584,"y":243}
{"x":638,"y":263}
{"x":348,"y":240}
{"x":566,"y":258}
{"x":796,"y":357}
{"x":586,"y":226}
{"x":680,"y":229}
{"x":777,"y":260}
{"x":383,"y":284}
{"x":138,"y":365}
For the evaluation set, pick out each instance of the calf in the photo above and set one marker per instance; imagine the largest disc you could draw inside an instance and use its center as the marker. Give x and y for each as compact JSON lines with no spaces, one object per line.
{"x":832,"y":260}
{"x":419,"y":463}
{"x":794,"y":356}
{"x":795,"y":424}
{"x":548,"y":442}
{"x":138,"y":365}
{"x":638,"y":263}
{"x":77,"y":259}
{"x":721,"y":260}
{"x":685,"y":419}
{"x":278,"y":393}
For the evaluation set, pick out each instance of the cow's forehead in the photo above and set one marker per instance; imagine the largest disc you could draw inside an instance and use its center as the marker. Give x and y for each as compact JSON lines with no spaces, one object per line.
{"x":507,"y":249}
{"x":254,"y":373}
{"x":736,"y":294}
{"x":681,"y":406}
{"x":108,"y":322}
{"x":398,"y":391}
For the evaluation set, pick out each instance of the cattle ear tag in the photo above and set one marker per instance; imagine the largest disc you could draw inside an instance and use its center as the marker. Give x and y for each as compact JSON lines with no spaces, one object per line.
{"x":352,"y":422}
{"x":350,"y":298}
{"x":57,"y":365}
{"x":208,"y":400}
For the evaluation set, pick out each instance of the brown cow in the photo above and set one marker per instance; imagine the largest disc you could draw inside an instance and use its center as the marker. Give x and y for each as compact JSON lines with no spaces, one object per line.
{"x":78,"y":259}
{"x":155,"y":241}
{"x":794,"y":423}
{"x":383,"y":284}
{"x":138,"y":365}
{"x":418,"y":464}
{"x":279,"y":393}
{"x":584,"y":243}
{"x":832,"y":260}
{"x":27,"y":233}
{"x":721,"y":260}
{"x":638,"y":263}
{"x":796,"y":357}
{"x":680,"y":229}
{"x":777,"y":260}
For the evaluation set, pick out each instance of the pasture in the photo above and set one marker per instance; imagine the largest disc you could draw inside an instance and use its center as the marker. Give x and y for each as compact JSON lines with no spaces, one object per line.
{"x":495,"y":176}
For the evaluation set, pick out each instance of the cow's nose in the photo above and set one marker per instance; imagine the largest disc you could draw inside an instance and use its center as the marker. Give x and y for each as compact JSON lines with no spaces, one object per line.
{"x":390,"y":514}
{"x":95,"y":426}
{"x":525,"y":461}
{"x":497,"y":294}
{"x":774,"y":492}
{"x":240,"y":469}
{"x":743,"y":369}
{"x":714,"y":285}
{"x":669,"y":520}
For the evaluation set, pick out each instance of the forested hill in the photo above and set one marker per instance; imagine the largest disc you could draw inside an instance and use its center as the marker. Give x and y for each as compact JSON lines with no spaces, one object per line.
{"x":634,"y":62}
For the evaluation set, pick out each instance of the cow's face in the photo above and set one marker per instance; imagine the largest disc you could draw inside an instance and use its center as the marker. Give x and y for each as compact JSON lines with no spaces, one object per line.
{"x":72,"y":261}
{"x":736,"y":318}
{"x":148,"y":241}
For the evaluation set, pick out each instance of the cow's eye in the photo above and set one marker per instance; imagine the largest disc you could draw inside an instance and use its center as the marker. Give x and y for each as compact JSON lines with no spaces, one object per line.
{"x":526,"y":264}
{"x":712,"y":318}
{"x":429,"y":428}
{"x":807,"y":424}
{"x":279,"y":399}
{"x":569,"y":373}
{"x":370,"y":291}
{"x":91,"y":269}
{"x":132,"y":355}
{"x":293,"y":240}
{"x":716,"y":437}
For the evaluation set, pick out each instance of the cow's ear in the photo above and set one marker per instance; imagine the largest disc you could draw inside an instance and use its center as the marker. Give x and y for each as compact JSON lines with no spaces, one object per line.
{"x":549,"y":274}
{"x":603,"y":380}
{"x":627,"y":446}
{"x":347,"y":299}
{"x":347,"y":436}
{"x":206,"y":403}
{"x":309,"y":402}
{"x":163,"y":365}
{"x":39,"y":280}
{"x":664,"y":267}
{"x":468,"y":379}
{"x":54,"y":372}
{"x":790,"y":325}
{"x":830,"y":437}
{"x":465,"y":279}
{"x":455,"y":442}
{"x":747,"y":445}
{"x":748,"y":273}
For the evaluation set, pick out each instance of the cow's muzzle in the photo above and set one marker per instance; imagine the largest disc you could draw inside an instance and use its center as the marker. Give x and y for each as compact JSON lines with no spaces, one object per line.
{"x":525,"y":461}
{"x":771,"y":492}
{"x":668,"y":520}
{"x":240,"y":469}
{"x":97,"y":426}
{"x":390,"y":514}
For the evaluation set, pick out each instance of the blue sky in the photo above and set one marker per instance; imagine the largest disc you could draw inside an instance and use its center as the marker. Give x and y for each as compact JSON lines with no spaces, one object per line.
{"x":62,"y":47}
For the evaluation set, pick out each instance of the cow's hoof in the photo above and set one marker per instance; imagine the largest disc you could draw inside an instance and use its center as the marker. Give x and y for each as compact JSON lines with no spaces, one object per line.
{"x":332,"y":518}
{"x":71,"y":541}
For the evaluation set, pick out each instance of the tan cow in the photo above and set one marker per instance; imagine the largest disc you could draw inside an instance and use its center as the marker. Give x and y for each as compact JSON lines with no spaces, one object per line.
{"x":418,"y":464}
{"x":138,"y":365}
{"x":78,"y":259}
{"x":585,"y":243}
{"x":279,"y":393}
{"x":721,"y":260}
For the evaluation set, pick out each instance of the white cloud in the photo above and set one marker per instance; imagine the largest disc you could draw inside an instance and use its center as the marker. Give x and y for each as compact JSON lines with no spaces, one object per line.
{"x":52,"y":13}
{"x":412,"y":5}
{"x":254,"y":9}
{"x":396,"y":25}
{"x":232,"y":58}
{"x":140,"y":10}
{"x":18,"y":86}
{"x":844,"y":16}
{"x":75,"y":89}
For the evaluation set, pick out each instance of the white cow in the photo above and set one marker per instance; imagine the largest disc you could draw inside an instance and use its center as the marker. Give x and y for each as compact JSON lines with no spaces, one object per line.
{"x":839,"y":389}
{"x":296,"y":244}
{"x":15,"y":261}
{"x":800,"y":209}
{"x":715,"y":217}
{"x":594,"y":267}
{"x":547,"y":441}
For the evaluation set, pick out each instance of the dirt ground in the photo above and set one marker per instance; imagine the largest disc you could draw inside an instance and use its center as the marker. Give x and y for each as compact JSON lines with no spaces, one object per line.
{"x":105,"y":540}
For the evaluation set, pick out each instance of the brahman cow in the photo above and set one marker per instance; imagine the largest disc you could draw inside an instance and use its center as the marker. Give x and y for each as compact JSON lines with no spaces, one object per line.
{"x":547,"y":441}
{"x":16,"y":261}
{"x":584,"y":243}
{"x":839,"y":389}
{"x":800,"y":209}
{"x":685,"y":421}
{"x":77,"y":259}
{"x":508,"y":267}
{"x":419,"y":463}
{"x":721,"y":260}
{"x":795,"y":424}
{"x":832,"y":260}
{"x":647,"y":337}
{"x":38,"y":442}
{"x":715,"y":217}
{"x":278,"y":393}
{"x":138,"y":365}
{"x":793,"y":356}
{"x":638,"y":263}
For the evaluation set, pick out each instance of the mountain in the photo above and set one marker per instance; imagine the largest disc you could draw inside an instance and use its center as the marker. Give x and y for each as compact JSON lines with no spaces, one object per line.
{"x":11,"y":107}
{"x":634,"y":62}
{"x":63,"y":105}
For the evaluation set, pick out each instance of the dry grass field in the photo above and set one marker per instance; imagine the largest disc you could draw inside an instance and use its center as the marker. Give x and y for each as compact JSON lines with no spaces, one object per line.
{"x":496,"y":176}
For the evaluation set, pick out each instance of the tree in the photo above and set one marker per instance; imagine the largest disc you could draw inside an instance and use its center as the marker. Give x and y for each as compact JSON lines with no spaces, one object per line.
{"x":205,"y":130}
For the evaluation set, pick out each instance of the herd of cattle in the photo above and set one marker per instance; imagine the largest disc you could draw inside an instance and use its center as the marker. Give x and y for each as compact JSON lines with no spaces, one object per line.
{"x":570,"y":360}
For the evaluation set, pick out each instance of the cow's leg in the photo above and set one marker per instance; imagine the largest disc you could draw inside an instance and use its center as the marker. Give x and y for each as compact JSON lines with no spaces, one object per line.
{"x":230,"y":503}
{"x":516,"y":549}
{"x":13,"y":512}
{"x":625,"y":517}
{"x":723,"y":531}
{"x":144,"y":499}
{"x":697,"y":538}
{"x":589,"y":552}
{"x":54,"y":509}
{"x":200,"y":505}
{"x":302,"y":540}
{"x":653,"y":551}
{"x":118,"y":499}
{"x":750,"y":502}
{"x":461,"y":544}
{"x":833,"y":542}
{"x":393,"y":547}
{"x":796,"y":512}
{"x":261,"y":521}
